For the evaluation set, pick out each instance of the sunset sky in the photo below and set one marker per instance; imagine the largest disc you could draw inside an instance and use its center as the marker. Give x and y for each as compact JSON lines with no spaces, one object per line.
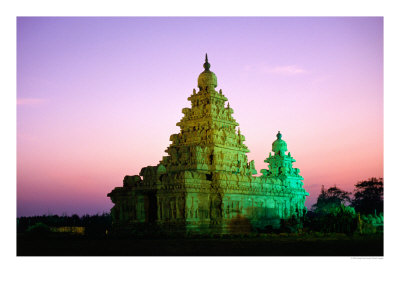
{"x":98,"y":98}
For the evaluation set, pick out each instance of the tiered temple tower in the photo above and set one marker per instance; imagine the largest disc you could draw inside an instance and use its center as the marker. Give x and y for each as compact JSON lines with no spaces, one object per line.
{"x":205,"y":183}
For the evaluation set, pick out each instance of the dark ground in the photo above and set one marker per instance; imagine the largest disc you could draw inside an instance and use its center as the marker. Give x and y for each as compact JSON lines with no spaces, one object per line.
{"x":262,"y":245}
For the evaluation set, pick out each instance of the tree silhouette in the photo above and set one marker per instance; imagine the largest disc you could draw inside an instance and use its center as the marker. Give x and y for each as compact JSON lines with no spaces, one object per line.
{"x":330,"y":199}
{"x":368,"y":196}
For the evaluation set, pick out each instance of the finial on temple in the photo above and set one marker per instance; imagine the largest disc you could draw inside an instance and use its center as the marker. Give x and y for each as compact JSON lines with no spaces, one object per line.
{"x":206,"y":64}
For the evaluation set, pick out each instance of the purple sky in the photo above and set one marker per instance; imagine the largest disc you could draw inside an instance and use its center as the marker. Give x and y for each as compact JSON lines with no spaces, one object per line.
{"x":98,"y":98}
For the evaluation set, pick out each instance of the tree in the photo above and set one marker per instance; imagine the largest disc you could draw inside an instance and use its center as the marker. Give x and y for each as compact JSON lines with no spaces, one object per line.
{"x":368,"y":196}
{"x":330,"y":199}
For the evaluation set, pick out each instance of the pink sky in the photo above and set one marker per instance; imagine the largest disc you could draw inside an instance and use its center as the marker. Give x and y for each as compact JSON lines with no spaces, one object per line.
{"x":98,"y":98}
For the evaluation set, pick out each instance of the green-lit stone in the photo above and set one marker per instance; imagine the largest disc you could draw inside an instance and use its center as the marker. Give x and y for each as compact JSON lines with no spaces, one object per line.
{"x":206,"y":183}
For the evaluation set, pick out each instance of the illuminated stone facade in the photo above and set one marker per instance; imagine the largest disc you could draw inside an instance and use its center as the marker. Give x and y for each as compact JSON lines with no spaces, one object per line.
{"x":206,"y":183}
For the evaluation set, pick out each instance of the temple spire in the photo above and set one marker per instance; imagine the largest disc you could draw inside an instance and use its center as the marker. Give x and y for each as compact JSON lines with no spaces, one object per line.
{"x":206,"y":64}
{"x":279,"y":135}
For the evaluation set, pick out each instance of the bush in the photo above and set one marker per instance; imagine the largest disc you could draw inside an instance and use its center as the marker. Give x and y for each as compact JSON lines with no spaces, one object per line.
{"x":340,"y":219}
{"x":38,"y":230}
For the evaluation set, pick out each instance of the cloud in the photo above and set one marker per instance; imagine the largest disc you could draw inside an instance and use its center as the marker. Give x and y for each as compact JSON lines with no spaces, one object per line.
{"x":29,"y":101}
{"x":285,"y":70}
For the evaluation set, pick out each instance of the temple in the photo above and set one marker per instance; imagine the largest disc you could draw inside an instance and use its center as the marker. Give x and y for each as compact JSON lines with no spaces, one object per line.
{"x":205,"y":183}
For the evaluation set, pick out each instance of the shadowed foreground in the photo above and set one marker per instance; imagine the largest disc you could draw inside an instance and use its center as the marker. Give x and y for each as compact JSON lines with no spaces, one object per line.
{"x":268,"y":245}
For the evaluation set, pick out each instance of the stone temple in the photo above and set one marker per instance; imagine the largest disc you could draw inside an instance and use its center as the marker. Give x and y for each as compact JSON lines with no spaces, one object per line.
{"x":205,"y":183}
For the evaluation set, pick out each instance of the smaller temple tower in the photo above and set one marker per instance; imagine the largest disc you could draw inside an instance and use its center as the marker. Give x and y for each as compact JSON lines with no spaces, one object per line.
{"x":281,"y":168}
{"x":280,"y":164}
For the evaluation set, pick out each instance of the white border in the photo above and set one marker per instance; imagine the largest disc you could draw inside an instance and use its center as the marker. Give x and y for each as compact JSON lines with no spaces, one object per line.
{"x":195,"y":278}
